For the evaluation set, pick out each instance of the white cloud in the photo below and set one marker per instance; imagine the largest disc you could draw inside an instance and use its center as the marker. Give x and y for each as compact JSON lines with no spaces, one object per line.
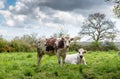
{"x":20,"y":17}
{"x":11,"y":7}
{"x":2,"y":4}
{"x":69,"y":18}
{"x":3,"y":32}
{"x":5,"y":13}
{"x":10,"y":23}
{"x":18,"y":7}
{"x":39,"y":14}
{"x":12,"y":19}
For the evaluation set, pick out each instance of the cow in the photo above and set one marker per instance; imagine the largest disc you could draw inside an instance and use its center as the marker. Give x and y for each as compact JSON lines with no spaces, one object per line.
{"x":77,"y":58}
{"x":53,"y":46}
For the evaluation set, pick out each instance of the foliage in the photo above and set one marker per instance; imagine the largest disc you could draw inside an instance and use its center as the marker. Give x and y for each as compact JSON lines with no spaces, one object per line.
{"x":101,"y":46}
{"x":100,"y":65}
{"x":74,"y":46}
{"x":94,"y":46}
{"x":116,"y":8}
{"x":4,"y":45}
{"x":26,"y":43}
{"x":109,"y":46}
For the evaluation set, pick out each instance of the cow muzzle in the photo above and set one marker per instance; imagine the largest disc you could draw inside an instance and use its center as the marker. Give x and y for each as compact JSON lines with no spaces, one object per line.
{"x":81,"y":56}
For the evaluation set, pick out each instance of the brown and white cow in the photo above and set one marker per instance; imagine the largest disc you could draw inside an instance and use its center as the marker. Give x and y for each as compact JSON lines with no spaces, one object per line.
{"x":53,"y":46}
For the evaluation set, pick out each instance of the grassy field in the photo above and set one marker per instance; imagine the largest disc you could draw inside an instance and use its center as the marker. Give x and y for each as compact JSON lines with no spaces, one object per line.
{"x":100,"y":65}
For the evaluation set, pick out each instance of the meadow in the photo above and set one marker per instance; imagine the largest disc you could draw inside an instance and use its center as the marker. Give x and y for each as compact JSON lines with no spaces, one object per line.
{"x":22,"y":65}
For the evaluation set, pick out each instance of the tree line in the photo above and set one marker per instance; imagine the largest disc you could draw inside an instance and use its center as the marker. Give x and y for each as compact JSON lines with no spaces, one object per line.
{"x":27,"y":43}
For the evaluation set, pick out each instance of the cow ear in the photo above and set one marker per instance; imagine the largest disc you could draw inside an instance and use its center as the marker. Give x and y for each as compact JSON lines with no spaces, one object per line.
{"x":71,"y":39}
{"x":62,"y":38}
{"x":46,"y":39}
{"x":85,"y":51}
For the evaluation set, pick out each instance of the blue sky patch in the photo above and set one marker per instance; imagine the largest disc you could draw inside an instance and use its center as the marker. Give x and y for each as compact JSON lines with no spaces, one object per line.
{"x":11,"y":2}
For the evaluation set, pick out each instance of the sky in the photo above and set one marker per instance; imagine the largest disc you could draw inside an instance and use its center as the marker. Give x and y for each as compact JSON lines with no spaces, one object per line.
{"x":46,"y":17}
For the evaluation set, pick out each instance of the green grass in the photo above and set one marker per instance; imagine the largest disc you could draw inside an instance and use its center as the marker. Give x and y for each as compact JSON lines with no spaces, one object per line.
{"x":100,"y":65}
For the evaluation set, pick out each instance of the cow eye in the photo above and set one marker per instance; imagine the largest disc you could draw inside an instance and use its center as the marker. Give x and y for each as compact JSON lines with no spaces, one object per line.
{"x":69,"y":41}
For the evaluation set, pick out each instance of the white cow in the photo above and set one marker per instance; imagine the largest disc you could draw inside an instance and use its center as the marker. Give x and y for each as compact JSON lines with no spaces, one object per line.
{"x":76,"y":58}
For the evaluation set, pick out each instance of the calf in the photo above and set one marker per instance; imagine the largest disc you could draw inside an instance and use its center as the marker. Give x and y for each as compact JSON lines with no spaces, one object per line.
{"x":76,"y":58}
{"x":53,"y":46}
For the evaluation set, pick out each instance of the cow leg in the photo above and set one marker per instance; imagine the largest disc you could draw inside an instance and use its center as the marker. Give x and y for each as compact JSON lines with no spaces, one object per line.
{"x":83,"y":61}
{"x":39,"y":56}
{"x":63,"y":59}
{"x":58,"y":57}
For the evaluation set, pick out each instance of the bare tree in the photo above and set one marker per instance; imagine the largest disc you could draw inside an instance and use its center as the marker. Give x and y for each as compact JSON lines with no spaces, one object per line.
{"x":98,"y":27}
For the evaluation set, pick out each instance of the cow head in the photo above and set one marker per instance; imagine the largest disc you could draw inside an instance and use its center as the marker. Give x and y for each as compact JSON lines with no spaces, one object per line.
{"x":81,"y":52}
{"x":67,"y":41}
{"x":64,"y":42}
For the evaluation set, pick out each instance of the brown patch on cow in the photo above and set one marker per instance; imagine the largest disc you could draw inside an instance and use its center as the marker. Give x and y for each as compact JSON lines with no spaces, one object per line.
{"x":50,"y":41}
{"x":61,"y":44}
{"x":49,"y":48}
{"x":50,"y":44}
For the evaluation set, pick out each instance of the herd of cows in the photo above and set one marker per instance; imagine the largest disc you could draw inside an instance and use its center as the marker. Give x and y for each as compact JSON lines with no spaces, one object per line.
{"x":59,"y":47}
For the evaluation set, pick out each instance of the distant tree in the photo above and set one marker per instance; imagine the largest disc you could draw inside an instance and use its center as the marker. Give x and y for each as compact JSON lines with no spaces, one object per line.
{"x":31,"y":39}
{"x":116,"y":8}
{"x":61,"y":33}
{"x":25,"y":43}
{"x":98,"y":27}
{"x":55,"y":35}
{"x":3,"y":44}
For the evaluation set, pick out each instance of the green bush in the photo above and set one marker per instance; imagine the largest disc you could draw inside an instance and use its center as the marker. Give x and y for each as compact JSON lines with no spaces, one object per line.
{"x":23,"y":45}
{"x":94,"y":46}
{"x":74,"y":46}
{"x":109,"y":46}
{"x":100,"y":46}
{"x":3,"y":45}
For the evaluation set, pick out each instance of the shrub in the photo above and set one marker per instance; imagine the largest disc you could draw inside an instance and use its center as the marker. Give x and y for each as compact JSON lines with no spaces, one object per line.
{"x":16,"y":44}
{"x":109,"y":46}
{"x":3,"y":44}
{"x":101,"y":46}
{"x":74,"y":46}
